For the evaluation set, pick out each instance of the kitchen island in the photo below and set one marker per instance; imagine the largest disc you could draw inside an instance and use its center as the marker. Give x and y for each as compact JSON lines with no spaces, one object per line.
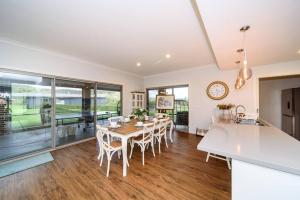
{"x":265,"y":160}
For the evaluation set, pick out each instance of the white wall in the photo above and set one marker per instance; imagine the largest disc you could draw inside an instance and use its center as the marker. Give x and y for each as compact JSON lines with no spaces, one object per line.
{"x":270,"y":97}
{"x":19,"y":57}
{"x":198,"y":79}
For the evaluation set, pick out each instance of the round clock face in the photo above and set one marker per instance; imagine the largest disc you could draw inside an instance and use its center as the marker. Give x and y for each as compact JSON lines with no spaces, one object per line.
{"x":217,"y":90}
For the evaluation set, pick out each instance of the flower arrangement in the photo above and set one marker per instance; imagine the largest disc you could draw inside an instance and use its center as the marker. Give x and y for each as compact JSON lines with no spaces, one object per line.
{"x":140,"y":113}
{"x":225,"y":106}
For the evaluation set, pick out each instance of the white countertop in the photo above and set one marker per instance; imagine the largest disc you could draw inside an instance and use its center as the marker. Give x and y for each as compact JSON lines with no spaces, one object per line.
{"x":261,"y":145}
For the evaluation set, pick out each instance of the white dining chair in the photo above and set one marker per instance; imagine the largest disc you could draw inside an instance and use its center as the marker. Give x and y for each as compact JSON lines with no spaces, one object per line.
{"x":108,"y":146}
{"x":162,"y":132}
{"x":144,"y":140}
{"x":213,"y":120}
{"x":161,"y":115}
{"x":116,"y":119}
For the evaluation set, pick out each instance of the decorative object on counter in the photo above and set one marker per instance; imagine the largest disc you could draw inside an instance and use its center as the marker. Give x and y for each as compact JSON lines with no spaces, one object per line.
{"x":200,"y":132}
{"x":140,"y":113}
{"x":217,"y":90}
{"x":227,"y":110}
{"x":165,"y":102}
{"x":240,"y":114}
{"x":225,"y":106}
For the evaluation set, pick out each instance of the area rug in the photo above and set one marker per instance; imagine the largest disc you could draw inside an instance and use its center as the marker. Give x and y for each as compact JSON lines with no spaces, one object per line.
{"x":23,"y":164}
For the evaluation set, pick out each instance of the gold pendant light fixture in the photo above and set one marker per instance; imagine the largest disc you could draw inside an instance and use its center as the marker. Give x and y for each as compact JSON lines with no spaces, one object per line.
{"x":239,"y":81}
{"x":245,"y":72}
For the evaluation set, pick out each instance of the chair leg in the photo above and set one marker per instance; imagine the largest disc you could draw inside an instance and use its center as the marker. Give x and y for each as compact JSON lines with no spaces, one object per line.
{"x":207,"y":157}
{"x":159,"y":140}
{"x":171,"y":132}
{"x":99,"y":156}
{"x":228,"y":163}
{"x":152,"y":145}
{"x":143,"y":154}
{"x":108,"y":164}
{"x":100,"y":152}
{"x":165,"y":136}
{"x":101,"y":160}
{"x":132,"y":145}
{"x":119,"y":154}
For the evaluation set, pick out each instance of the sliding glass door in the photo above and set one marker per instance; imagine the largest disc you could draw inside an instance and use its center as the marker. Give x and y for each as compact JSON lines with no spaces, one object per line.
{"x":74,"y":107}
{"x":151,"y":101}
{"x":25,"y":114}
{"x":38,"y":113}
{"x":109,"y":101}
{"x":181,"y":108}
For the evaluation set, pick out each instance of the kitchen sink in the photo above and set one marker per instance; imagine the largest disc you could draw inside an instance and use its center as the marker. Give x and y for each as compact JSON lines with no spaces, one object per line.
{"x":251,"y":122}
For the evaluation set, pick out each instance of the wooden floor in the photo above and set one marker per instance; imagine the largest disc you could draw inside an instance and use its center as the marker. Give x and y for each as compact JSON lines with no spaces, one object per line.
{"x":179,"y":172}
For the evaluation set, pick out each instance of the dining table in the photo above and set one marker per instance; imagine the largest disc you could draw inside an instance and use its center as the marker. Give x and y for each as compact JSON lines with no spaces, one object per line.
{"x":127,"y":130}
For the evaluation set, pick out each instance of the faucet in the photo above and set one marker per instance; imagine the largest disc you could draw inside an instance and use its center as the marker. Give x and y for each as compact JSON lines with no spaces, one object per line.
{"x":239,"y":115}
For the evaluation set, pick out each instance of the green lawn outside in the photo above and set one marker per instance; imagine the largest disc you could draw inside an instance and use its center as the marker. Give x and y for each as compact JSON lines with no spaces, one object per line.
{"x":28,"y":118}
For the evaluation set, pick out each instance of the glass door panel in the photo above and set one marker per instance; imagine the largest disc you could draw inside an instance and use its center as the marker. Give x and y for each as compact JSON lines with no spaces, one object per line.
{"x":109,"y":101}
{"x":151,"y":101}
{"x":25,"y":114}
{"x":181,"y":105}
{"x":74,"y":111}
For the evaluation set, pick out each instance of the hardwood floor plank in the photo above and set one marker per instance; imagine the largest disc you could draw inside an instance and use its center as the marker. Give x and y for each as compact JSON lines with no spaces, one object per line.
{"x":179,"y":172}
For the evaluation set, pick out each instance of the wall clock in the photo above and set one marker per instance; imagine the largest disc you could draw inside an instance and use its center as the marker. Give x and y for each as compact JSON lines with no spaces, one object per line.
{"x":217,"y":90}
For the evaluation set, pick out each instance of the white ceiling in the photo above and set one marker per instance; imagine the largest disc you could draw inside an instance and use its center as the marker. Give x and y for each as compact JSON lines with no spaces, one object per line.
{"x":119,"y":33}
{"x":115,"y":33}
{"x":274,"y":35}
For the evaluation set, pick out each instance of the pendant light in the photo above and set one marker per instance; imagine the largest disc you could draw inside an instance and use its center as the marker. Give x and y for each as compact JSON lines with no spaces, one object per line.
{"x":245,"y":72}
{"x":240,"y":82}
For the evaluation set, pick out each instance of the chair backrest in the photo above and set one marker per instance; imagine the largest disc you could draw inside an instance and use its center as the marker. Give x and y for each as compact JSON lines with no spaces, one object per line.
{"x":163,"y":123}
{"x":115,"y":119}
{"x":101,"y":133}
{"x":148,"y":130}
{"x":161,"y":115}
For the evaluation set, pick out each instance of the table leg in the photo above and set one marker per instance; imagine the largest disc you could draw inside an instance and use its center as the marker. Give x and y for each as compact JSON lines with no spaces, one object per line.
{"x":124,"y":154}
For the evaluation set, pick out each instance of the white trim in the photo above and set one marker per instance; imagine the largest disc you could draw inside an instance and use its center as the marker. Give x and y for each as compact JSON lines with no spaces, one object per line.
{"x":73,"y":143}
{"x":24,"y":156}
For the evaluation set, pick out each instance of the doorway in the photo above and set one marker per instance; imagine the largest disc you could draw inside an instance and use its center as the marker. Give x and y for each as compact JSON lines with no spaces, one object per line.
{"x":180,"y":112}
{"x":279,"y":103}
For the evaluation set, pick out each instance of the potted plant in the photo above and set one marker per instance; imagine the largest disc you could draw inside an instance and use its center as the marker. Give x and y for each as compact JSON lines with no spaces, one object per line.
{"x":140,"y":113}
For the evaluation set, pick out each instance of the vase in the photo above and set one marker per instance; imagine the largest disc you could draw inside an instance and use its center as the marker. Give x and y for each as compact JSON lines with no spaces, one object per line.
{"x":141,"y":118}
{"x":227,"y":114}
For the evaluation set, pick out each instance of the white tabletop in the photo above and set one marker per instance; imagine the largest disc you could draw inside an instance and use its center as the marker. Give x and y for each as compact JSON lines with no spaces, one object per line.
{"x":261,"y":145}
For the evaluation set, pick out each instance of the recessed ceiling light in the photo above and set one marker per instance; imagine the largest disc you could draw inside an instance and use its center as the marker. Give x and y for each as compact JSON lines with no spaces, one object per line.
{"x":168,"y":55}
{"x":138,"y":64}
{"x":298,"y":51}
